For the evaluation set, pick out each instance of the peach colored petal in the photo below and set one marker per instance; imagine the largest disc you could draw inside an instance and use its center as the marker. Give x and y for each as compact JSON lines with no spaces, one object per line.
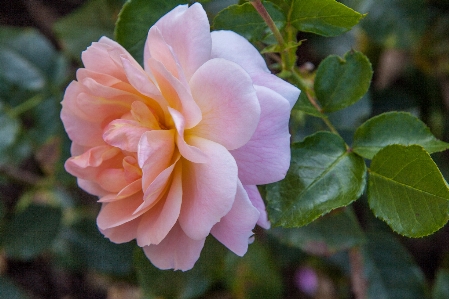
{"x":186,"y":30}
{"x":159,"y":220}
{"x":131,"y":168}
{"x":257,"y":201}
{"x":144,"y":115}
{"x":235,"y":228}
{"x":124,"y":134}
{"x":118,"y":212}
{"x":266,"y":157}
{"x":127,"y":191}
{"x":91,"y":187}
{"x":112,"y":179}
{"x":176,"y":94}
{"x":208,"y":189}
{"x":177,"y":251}
{"x":188,"y":151}
{"x":122,"y":233}
{"x":228,"y":102}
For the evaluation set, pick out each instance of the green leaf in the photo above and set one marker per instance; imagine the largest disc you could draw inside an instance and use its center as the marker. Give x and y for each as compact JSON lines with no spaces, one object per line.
{"x":83,"y":246}
{"x":246,"y":21}
{"x":8,"y":290}
{"x":407,"y":190}
{"x":136,"y":18}
{"x":394,"y":128}
{"x":390,"y":270}
{"x":340,"y":82}
{"x":336,"y":231}
{"x":304,"y":105}
{"x":31,"y":231}
{"x":441,"y":286}
{"x":323,"y":176}
{"x":96,"y":18}
{"x":323,"y":17}
{"x":255,"y":275}
{"x":183,"y":285}
{"x":9,"y":130}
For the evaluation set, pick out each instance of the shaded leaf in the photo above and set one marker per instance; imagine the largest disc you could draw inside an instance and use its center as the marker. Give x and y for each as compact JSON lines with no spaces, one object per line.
{"x":340,"y":82}
{"x":183,"y":285}
{"x":440,"y":288}
{"x":390,"y":270}
{"x":253,"y":276}
{"x":304,"y":105}
{"x":136,"y":18}
{"x":8,"y":290}
{"x":94,"y":19}
{"x":394,"y":128}
{"x":31,"y":231}
{"x":9,"y":130}
{"x":323,"y":17}
{"x":246,"y":21}
{"x":407,"y":190}
{"x":323,"y":176}
{"x":327,"y":235}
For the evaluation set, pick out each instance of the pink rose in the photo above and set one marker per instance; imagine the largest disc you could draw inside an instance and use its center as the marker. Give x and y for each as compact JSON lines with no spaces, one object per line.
{"x":175,"y":150}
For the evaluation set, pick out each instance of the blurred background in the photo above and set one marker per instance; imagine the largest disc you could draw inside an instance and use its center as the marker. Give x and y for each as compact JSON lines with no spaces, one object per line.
{"x":50,"y":246}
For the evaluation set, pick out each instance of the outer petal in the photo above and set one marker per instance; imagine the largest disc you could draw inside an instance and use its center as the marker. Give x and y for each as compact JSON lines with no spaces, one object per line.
{"x":208,"y":189}
{"x":186,"y":30}
{"x":235,"y":229}
{"x":227,"y":99}
{"x":257,"y":201}
{"x":159,"y":220}
{"x":122,"y":233}
{"x":118,"y":212}
{"x":177,"y":251}
{"x":233,"y":47}
{"x":266,"y":157}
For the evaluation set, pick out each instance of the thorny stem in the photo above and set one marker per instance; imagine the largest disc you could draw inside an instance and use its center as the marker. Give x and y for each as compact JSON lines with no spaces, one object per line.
{"x":358,"y":279}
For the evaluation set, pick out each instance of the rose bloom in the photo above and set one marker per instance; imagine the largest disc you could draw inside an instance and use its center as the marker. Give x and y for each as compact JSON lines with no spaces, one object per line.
{"x":175,"y":150}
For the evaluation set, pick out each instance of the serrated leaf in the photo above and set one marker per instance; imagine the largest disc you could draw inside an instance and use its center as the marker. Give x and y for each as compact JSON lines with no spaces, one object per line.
{"x":323,"y":17}
{"x":246,"y":21}
{"x":407,"y":190}
{"x":394,"y":128}
{"x":31,"y":231}
{"x":340,"y":82}
{"x":94,"y":19}
{"x":136,"y":18}
{"x":323,"y":176}
{"x":390,"y":270}
{"x":327,"y":235}
{"x":440,"y":288}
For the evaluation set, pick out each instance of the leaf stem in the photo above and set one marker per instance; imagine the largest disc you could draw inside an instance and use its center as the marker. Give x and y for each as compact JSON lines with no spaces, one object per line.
{"x":358,"y":279}
{"x":25,"y":106}
{"x":267,"y":18}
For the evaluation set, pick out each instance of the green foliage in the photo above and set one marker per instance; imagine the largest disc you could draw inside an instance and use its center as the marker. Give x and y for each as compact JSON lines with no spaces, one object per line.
{"x":136,"y":18}
{"x":323,"y":176}
{"x":183,"y":285}
{"x":336,"y":231}
{"x":394,"y":128}
{"x":9,"y":290}
{"x":244,"y":20}
{"x":323,"y":17}
{"x":407,"y":190}
{"x":441,"y":286}
{"x":340,"y":82}
{"x":96,"y":18}
{"x":390,"y":269}
{"x":31,"y":231}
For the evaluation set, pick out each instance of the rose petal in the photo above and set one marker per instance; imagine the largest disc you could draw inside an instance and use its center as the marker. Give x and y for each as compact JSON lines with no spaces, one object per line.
{"x":233,"y":47}
{"x":208,"y":189}
{"x":177,"y":251}
{"x":188,"y":151}
{"x":122,"y":233}
{"x":266,"y":157}
{"x":235,"y":229}
{"x":228,"y":102}
{"x":186,"y":30}
{"x":124,"y":134}
{"x":159,"y":220}
{"x":127,"y":191}
{"x":257,"y":201}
